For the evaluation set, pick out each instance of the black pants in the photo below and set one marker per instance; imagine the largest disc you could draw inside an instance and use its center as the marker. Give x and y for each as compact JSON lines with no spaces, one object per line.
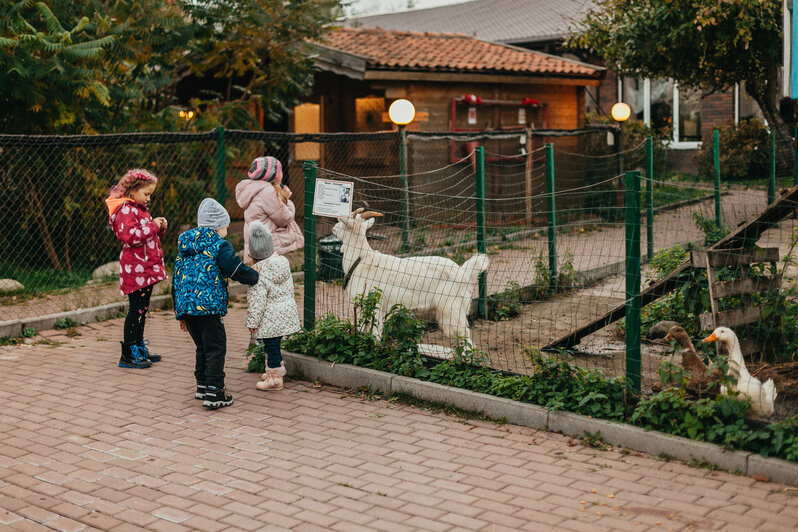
{"x":271,"y":346}
{"x":137,"y":315}
{"x":211,"y":340}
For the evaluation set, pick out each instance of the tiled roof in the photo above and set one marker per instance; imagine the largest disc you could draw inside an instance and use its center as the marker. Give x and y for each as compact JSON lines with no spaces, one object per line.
{"x":446,"y":52}
{"x":507,"y":21}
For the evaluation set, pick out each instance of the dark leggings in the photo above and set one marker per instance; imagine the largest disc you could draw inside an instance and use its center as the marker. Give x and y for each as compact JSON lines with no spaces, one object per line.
{"x":271,"y":346}
{"x":137,"y":314}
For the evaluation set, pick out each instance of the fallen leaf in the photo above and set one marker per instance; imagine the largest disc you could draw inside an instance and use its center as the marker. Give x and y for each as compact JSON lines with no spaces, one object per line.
{"x":760,"y":478}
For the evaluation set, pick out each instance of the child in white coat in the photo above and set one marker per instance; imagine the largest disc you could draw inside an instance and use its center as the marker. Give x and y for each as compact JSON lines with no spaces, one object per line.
{"x":272,"y":311}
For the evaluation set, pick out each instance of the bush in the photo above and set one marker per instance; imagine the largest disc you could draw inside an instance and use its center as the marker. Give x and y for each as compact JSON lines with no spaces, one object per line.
{"x":744,"y":152}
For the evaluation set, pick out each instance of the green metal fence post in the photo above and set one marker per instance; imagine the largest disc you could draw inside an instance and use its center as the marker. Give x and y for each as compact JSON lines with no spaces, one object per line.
{"x":716,"y":162}
{"x":403,"y":176}
{"x":772,"y":176}
{"x":649,"y":197}
{"x":309,"y":267}
{"x":221,"y":149}
{"x":551,"y":207}
{"x":633,"y":300}
{"x":482,"y":247}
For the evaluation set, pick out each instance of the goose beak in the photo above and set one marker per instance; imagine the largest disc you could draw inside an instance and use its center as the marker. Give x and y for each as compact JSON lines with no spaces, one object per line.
{"x":668,"y":338}
{"x":710,"y":338}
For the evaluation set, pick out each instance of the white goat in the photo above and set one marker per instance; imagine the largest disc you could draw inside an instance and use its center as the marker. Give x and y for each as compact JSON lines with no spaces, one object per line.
{"x":419,"y":283}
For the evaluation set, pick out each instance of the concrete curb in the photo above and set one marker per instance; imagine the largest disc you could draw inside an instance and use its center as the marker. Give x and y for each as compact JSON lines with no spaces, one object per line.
{"x":533,"y":416}
{"x":14,"y":328}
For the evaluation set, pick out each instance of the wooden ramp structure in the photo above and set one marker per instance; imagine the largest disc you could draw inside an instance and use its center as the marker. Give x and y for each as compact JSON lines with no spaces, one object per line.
{"x":744,"y":236}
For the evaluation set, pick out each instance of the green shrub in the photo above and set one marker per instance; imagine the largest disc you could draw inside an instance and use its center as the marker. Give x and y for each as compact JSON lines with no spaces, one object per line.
{"x":709,"y":226}
{"x":743,"y":152}
{"x":666,"y":261}
{"x":65,"y":323}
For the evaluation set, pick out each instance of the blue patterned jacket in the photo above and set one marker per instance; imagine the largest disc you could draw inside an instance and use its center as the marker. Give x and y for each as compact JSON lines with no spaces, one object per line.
{"x":204,"y":262}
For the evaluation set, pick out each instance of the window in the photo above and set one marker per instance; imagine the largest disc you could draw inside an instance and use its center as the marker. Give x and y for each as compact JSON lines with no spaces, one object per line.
{"x":662,"y":104}
{"x":307,"y":119}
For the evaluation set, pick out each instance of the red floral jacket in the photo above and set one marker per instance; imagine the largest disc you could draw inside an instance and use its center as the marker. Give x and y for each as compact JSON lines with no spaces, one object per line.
{"x":141,"y":261}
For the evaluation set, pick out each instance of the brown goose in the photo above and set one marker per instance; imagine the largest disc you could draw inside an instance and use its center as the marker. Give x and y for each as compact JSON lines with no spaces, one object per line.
{"x":700,"y":378}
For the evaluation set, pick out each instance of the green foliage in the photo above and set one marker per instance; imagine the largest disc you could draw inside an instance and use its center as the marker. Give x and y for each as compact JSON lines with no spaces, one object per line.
{"x":554,"y":384}
{"x":50,"y":66}
{"x":65,"y":323}
{"x":505,"y":305}
{"x":666,"y":261}
{"x":28,"y":332}
{"x":743,"y":152}
{"x":93,"y":66}
{"x":704,"y":44}
{"x":712,"y":233}
{"x":256,"y":358}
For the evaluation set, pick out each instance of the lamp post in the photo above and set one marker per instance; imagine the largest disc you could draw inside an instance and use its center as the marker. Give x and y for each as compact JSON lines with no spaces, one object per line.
{"x":402,"y":113}
{"x":620,"y":113}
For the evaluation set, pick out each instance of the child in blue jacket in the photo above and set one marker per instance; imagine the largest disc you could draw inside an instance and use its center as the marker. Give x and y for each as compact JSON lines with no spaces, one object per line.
{"x":199,"y":289}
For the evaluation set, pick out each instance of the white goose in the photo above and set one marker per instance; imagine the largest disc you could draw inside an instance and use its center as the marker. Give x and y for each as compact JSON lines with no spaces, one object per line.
{"x":762,"y":396}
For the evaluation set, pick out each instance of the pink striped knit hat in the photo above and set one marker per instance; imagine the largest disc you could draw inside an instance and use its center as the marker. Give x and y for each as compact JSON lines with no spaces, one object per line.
{"x":265,"y":169}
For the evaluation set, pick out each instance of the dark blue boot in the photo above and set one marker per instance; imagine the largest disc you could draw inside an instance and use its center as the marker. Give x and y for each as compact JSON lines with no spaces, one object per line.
{"x":132,"y":357}
{"x":152,"y":357}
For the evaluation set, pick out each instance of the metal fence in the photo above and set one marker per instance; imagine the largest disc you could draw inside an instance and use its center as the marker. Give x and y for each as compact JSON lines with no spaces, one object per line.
{"x":555,"y":216}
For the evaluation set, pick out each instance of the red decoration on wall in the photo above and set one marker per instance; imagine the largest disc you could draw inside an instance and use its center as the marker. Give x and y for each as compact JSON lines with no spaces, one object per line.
{"x":471,"y":98}
{"x":530,"y":101}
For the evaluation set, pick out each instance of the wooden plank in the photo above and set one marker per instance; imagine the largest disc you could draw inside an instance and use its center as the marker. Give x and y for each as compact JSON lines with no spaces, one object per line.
{"x":730,"y":318}
{"x":733,"y":257}
{"x":746,"y":286}
{"x":745,"y":235}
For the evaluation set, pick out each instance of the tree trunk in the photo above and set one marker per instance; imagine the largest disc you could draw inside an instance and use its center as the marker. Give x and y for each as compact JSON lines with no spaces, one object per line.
{"x":764,"y":91}
{"x":38,"y":212}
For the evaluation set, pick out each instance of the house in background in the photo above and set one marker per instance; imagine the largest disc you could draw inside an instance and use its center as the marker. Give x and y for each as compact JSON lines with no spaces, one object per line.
{"x":456,"y":82}
{"x":544,"y":25}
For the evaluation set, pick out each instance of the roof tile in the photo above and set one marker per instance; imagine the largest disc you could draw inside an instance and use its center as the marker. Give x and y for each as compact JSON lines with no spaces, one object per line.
{"x":447,"y":52}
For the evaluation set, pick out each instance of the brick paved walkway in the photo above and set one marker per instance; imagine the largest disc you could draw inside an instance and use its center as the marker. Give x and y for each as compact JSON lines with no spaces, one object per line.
{"x":85,"y":445}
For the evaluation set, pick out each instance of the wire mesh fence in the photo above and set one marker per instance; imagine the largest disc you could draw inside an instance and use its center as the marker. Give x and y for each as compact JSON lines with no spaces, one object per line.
{"x":554,"y":233}
{"x":555,"y":271}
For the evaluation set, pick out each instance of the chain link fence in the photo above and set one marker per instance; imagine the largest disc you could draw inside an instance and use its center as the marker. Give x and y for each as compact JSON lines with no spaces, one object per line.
{"x":554,"y":231}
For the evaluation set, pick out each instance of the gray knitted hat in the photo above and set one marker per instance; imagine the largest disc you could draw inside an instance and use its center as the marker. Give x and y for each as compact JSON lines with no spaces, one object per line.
{"x":261,"y":243}
{"x":212,"y":214}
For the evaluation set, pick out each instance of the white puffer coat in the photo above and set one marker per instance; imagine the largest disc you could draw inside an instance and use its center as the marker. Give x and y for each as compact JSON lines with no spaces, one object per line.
{"x":272,"y":309}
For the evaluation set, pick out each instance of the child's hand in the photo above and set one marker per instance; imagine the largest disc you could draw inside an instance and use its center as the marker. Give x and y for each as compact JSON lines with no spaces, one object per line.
{"x":161,"y":221}
{"x":183,"y":326}
{"x":287,"y":191}
{"x":251,"y":330}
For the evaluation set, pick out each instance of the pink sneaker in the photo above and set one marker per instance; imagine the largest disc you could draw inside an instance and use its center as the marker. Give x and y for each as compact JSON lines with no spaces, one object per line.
{"x":272,"y":379}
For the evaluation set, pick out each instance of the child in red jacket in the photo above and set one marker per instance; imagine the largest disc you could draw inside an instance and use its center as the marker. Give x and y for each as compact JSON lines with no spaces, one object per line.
{"x":141,"y":261}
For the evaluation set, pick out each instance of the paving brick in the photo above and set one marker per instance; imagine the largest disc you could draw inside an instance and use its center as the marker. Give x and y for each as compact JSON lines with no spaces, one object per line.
{"x":310,"y":459}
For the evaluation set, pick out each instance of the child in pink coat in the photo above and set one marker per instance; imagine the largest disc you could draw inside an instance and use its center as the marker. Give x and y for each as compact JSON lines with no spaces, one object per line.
{"x":265,"y":198}
{"x":141,"y":263}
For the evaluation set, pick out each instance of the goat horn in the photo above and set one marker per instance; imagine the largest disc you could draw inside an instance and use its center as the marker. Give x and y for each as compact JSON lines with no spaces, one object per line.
{"x":357,"y":211}
{"x":369,"y":214}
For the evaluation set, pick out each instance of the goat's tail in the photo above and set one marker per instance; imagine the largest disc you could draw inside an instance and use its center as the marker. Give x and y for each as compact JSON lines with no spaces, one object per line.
{"x":470,"y":270}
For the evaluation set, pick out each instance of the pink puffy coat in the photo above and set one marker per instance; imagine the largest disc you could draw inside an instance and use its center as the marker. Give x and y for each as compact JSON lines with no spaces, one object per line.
{"x":141,"y":261}
{"x":260,"y":202}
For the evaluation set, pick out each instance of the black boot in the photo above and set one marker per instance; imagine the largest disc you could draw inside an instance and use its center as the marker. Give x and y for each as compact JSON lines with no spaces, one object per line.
{"x":152,"y":357}
{"x":215,"y":397}
{"x":200,"y":393}
{"x":132,"y":357}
